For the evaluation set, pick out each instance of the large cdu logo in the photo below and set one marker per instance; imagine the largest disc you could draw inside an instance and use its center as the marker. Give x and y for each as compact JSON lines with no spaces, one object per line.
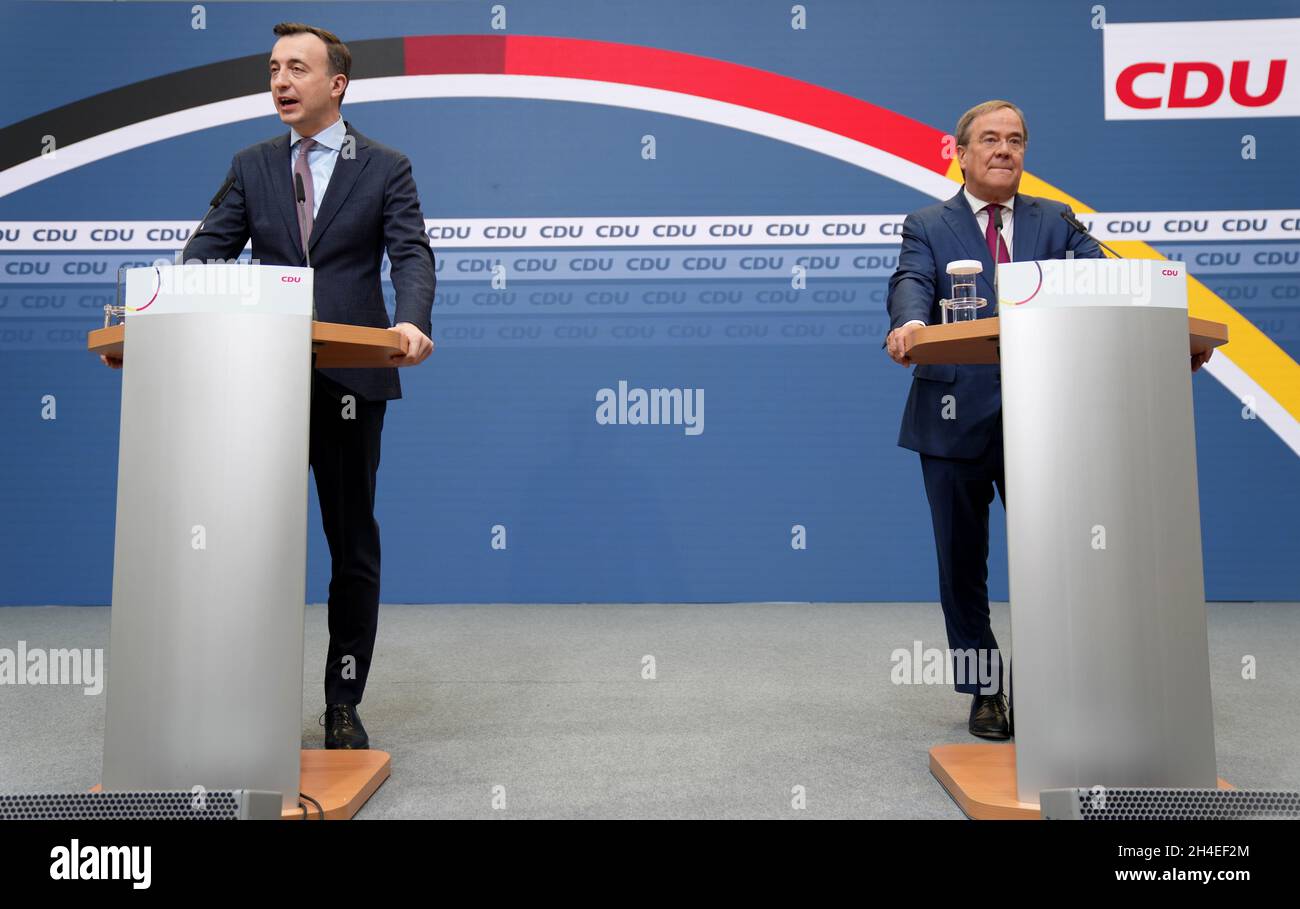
{"x":1208,"y":79}
{"x":1183,"y":70}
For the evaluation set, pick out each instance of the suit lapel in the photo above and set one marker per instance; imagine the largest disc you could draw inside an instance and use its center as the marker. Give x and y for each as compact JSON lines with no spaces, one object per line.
{"x":961,"y":221}
{"x":346,"y":171}
{"x":280,"y":164}
{"x":1029,"y":220}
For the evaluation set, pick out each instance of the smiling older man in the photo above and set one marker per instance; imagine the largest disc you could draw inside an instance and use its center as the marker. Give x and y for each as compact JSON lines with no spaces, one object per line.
{"x":953,"y":417}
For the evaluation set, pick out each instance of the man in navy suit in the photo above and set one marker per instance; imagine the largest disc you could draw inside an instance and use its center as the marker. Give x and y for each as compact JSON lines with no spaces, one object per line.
{"x":953,"y":416}
{"x":359,"y":199}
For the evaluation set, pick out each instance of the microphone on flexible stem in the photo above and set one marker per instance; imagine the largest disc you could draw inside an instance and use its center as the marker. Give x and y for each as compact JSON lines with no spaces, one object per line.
{"x":1074,"y":222}
{"x":997,"y":227}
{"x":212,"y":206}
{"x":306,"y":251}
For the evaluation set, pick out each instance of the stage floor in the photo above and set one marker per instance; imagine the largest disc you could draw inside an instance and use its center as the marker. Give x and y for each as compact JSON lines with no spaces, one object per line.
{"x":748,"y":702}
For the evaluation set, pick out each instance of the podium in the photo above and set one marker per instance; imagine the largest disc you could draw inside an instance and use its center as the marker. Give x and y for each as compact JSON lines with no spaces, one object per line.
{"x":1111,"y":678}
{"x":209,"y":568}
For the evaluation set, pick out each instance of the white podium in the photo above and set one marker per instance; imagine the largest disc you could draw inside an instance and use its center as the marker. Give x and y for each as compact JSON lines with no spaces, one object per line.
{"x":209,"y":576}
{"x":1108,"y":622}
{"x":1111,"y":678}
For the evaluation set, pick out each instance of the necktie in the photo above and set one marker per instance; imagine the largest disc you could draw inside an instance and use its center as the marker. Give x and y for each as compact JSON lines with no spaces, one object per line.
{"x":993,"y":237}
{"x":302,"y":168}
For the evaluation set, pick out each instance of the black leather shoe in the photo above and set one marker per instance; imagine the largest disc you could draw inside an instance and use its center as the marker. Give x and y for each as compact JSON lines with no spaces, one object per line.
{"x":343,"y":727}
{"x":988,"y":717}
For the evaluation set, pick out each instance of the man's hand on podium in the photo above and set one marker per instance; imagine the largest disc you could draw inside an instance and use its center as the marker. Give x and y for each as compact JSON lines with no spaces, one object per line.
{"x":418,"y":345}
{"x":896,"y":342}
{"x":111,"y":362}
{"x":1198,"y":360}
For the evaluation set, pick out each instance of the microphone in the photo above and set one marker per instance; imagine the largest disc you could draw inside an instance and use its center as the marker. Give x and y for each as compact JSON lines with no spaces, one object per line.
{"x":221,"y":193}
{"x":1074,"y":222}
{"x":212,"y":206}
{"x":302,"y":200}
{"x":997,"y":227}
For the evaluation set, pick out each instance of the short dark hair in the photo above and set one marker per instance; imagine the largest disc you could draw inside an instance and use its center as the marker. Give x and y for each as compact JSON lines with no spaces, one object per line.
{"x":340,"y":57}
{"x":988,"y":107}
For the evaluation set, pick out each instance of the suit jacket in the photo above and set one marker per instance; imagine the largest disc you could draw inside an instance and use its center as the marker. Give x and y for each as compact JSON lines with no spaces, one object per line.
{"x":933,"y":237}
{"x":370,"y":204}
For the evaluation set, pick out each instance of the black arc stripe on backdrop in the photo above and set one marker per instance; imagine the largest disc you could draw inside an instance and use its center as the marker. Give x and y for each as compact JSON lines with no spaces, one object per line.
{"x":168,"y":94}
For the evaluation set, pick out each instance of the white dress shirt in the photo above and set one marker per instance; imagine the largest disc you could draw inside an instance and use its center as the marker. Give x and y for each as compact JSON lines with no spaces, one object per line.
{"x":321,"y":159}
{"x":982,"y":217}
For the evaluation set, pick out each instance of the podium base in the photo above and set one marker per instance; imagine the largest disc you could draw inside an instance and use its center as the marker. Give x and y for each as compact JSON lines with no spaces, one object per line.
{"x":981,"y":779}
{"x":341,"y":780}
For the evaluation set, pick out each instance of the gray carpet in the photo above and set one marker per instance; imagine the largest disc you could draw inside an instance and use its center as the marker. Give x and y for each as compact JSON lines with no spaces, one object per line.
{"x":750,"y":700}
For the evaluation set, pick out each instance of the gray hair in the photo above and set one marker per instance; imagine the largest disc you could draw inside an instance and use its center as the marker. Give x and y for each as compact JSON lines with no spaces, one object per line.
{"x":979,"y":110}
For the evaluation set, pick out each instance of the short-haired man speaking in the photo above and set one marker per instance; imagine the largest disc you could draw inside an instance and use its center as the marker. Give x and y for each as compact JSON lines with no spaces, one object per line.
{"x":953,"y":416}
{"x":360,"y":199}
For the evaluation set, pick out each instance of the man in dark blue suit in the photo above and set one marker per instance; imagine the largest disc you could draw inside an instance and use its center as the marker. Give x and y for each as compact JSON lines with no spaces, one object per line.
{"x":953,"y":416}
{"x":360,"y":199}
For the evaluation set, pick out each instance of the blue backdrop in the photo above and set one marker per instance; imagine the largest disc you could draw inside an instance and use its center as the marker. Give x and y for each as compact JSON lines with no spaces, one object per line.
{"x":499,"y":428}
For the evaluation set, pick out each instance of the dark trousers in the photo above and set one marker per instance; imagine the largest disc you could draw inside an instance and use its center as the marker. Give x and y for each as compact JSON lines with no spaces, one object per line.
{"x":960,"y":492}
{"x":344,"y":461}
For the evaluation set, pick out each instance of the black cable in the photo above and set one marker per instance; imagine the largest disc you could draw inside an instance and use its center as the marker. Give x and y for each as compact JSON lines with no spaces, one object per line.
{"x":303,"y":795}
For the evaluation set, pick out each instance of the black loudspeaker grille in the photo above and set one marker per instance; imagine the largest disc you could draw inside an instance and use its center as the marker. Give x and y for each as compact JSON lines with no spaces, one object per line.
{"x":175,"y":805}
{"x":1106,"y":804}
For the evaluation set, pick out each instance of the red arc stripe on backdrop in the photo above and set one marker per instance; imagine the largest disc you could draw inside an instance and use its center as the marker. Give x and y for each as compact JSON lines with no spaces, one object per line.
{"x":649,"y":67}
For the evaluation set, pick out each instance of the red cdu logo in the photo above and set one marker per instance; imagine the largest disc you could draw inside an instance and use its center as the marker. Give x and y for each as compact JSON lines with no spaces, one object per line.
{"x":1186,"y":70}
{"x":1210,"y":83}
{"x":290,"y":279}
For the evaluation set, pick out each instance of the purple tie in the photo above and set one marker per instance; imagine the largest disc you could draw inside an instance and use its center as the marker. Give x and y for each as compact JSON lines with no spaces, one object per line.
{"x":302,"y":168}
{"x":993,"y":237}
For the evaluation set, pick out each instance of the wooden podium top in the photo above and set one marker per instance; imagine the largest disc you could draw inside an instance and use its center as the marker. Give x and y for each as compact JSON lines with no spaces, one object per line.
{"x":977,"y":341}
{"x":336,"y":345}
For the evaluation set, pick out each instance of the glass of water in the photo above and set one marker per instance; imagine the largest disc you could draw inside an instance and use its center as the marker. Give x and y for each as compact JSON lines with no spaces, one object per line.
{"x":962,"y":304}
